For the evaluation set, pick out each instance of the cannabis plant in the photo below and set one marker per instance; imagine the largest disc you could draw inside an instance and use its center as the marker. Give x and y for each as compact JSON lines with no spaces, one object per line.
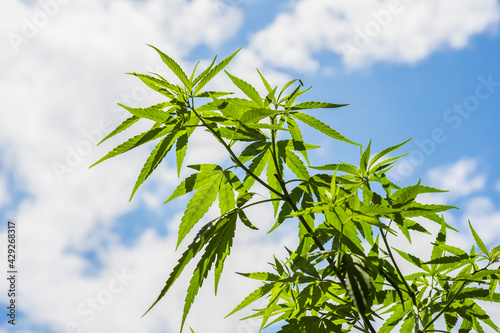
{"x":344,"y":275}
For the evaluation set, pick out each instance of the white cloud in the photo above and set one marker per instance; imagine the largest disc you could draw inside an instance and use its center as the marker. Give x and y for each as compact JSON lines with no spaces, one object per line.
{"x":484,"y":217}
{"x":461,"y":178}
{"x":60,"y":89}
{"x":497,"y":186}
{"x":372,"y":31}
{"x":59,"y":92}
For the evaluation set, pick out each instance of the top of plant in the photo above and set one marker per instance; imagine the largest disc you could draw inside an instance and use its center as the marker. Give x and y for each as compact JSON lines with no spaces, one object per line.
{"x":331,"y":282}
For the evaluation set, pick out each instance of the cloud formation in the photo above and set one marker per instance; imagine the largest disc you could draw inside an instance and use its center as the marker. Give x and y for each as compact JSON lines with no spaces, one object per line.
{"x":461,"y":178}
{"x":61,"y":65}
{"x":363,"y":33}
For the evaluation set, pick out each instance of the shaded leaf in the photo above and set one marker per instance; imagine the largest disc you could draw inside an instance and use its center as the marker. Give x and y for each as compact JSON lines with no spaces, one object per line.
{"x":358,"y":281}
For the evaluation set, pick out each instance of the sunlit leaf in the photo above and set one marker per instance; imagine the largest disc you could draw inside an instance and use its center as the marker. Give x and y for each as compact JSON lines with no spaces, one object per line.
{"x":174,"y":67}
{"x":198,"y":205}
{"x":120,"y":128}
{"x":136,"y":141}
{"x":316,"y":105}
{"x":205,"y":77}
{"x":247,"y":89}
{"x":154,"y":159}
{"x":322,"y":127}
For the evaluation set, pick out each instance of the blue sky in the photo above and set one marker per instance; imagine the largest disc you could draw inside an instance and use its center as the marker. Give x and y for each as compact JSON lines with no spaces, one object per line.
{"x":90,"y":261}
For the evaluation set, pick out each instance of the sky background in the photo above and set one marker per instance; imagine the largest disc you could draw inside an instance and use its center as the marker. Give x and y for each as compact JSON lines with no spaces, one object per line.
{"x":90,"y":261}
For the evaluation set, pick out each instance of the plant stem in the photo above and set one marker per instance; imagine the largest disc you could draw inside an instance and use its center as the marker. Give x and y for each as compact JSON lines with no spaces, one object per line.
{"x":410,"y":292}
{"x":464,"y":284}
{"x":233,"y":155}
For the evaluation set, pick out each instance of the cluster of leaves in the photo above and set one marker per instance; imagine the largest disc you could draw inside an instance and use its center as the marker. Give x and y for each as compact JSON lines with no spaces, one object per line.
{"x":343,"y":276}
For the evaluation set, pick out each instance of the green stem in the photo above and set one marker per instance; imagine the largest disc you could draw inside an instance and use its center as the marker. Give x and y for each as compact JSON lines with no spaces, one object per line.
{"x":410,"y":292}
{"x":443,"y":310}
{"x":288,"y":199}
{"x":448,"y":304}
{"x":258,"y":202}
{"x":233,"y":155}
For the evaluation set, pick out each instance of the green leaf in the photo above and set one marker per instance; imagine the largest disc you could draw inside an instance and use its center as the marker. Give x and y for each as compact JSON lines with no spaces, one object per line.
{"x":375,"y":210}
{"x":247,"y":89}
{"x":344,"y":167}
{"x":243,"y":217}
{"x":415,"y":209}
{"x":227,"y":199}
{"x":201,"y":239}
{"x":159,"y":85}
{"x":208,"y":75}
{"x":450,"y":259}
{"x":258,"y":165}
{"x":405,"y":195}
{"x":239,"y":103}
{"x":266,"y":84}
{"x":154,"y":112}
{"x":252,"y":150}
{"x":266,"y":126}
{"x":199,"y":205}
{"x":286,"y":209}
{"x":364,"y":159}
{"x":466,"y":325}
{"x":181,"y":149}
{"x":322,"y":127}
{"x":339,"y":221}
{"x":202,"y":75}
{"x":216,"y":251}
{"x":316,"y":105}
{"x":254,"y":115}
{"x":296,"y":165}
{"x":120,"y":128}
{"x":262,"y":276}
{"x":398,"y":313}
{"x":478,"y":240}
{"x":194,"y":182}
{"x":385,"y":165}
{"x":493,"y":286}
{"x":154,"y":159}
{"x":194,"y":71}
{"x":452,"y":249}
{"x":296,"y":134}
{"x":414,"y":260}
{"x":174,"y":67}
{"x":288,"y":84}
{"x":136,"y":141}
{"x":272,"y":305}
{"x":255,"y":295}
{"x":385,"y":152}
{"x":273,"y":172}
{"x":451,"y":319}
{"x":241,"y":133}
{"x":182,"y":142}
{"x":212,"y":94}
{"x":290,"y":99}
{"x":437,"y":251}
{"x":358,"y":282}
